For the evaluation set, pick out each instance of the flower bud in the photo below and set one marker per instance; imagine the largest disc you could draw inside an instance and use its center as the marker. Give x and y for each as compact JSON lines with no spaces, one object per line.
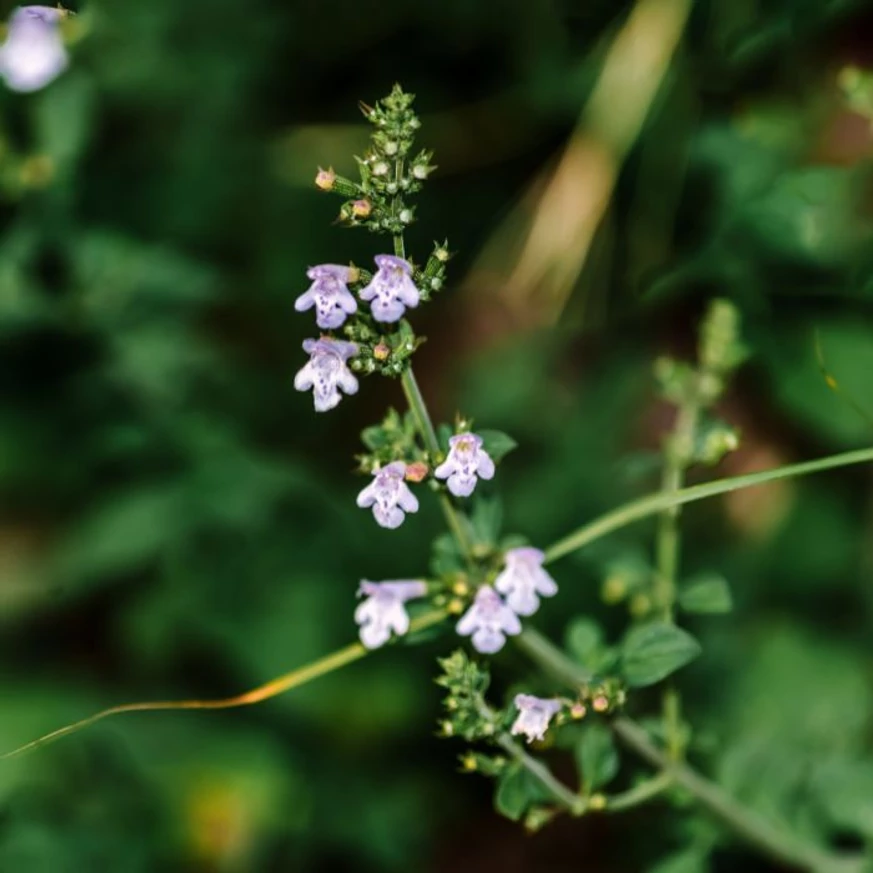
{"x":468,"y":762}
{"x":456,"y":606}
{"x":362,"y":208}
{"x":640,"y":605}
{"x":390,"y":148}
{"x":614,"y":589}
{"x":37,"y":171}
{"x":416,"y":471}
{"x":600,"y":703}
{"x":461,"y":588}
{"x":578,"y":710}
{"x":597,"y":802}
{"x":325,"y":179}
{"x":380,"y":168}
{"x":380,"y":353}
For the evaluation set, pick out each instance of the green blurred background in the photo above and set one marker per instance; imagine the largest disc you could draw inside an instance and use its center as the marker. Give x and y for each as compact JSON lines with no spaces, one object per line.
{"x":175,"y":521}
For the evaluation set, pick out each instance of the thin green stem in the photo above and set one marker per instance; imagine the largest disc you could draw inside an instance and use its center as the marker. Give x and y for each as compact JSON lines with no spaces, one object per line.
{"x":574,"y":803}
{"x":655,"y":503}
{"x":779,"y":844}
{"x":541,"y":650}
{"x":748,"y":825}
{"x":668,"y":537}
{"x":677,"y":451}
{"x":640,"y":794}
{"x":425,"y":427}
{"x":281,"y":684}
{"x":419,"y":410}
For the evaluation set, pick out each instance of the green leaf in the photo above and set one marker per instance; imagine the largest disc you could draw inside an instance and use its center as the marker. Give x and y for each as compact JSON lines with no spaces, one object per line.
{"x":375,"y":437}
{"x":651,"y":652}
{"x":708,"y":594}
{"x":584,"y":639}
{"x":444,"y":434}
{"x":691,"y":860}
{"x":486,"y":518}
{"x":596,"y":756}
{"x":497,"y":443}
{"x":514,"y":792}
{"x":845,"y":793}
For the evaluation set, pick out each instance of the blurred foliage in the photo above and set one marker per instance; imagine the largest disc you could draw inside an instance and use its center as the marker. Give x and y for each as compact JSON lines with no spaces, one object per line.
{"x":175,"y":522}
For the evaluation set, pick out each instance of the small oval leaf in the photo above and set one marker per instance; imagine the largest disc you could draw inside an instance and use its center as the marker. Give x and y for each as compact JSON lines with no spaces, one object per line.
{"x":651,"y":652}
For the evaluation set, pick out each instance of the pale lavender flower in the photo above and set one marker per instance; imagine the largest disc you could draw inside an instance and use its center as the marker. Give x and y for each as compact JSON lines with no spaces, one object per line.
{"x":466,"y":462}
{"x":33,"y":54}
{"x":327,"y":372}
{"x":523,"y":578}
{"x":534,"y":715}
{"x":391,"y":289}
{"x":329,"y":294}
{"x":383,"y":611}
{"x":389,"y":495}
{"x":489,"y":620}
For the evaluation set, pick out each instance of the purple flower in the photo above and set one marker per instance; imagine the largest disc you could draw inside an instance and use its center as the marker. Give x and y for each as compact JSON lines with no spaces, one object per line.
{"x":523,"y":578}
{"x":327,"y":372}
{"x":467,"y":460}
{"x":329,"y":294}
{"x":489,"y":619}
{"x":389,"y":495}
{"x":383,"y":611}
{"x":33,"y":54}
{"x":391,"y":289}
{"x":534,"y":715}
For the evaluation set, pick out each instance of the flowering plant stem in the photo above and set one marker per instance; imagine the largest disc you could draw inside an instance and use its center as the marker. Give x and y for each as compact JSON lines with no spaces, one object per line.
{"x":773,"y":841}
{"x":428,"y":434}
{"x":574,"y":803}
{"x":780,"y":845}
{"x":535,"y":644}
{"x":667,"y":546}
{"x":654,"y":503}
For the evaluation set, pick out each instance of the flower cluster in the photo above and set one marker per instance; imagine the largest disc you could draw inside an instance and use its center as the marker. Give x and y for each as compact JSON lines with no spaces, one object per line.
{"x":33,"y":54}
{"x":370,"y":310}
{"x":490,"y":619}
{"x":384,"y":609}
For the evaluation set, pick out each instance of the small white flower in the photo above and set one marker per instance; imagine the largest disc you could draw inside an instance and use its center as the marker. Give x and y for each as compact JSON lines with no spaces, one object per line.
{"x":523,"y":578}
{"x":467,"y":462}
{"x":329,"y":294}
{"x":389,"y":495}
{"x":33,"y":54}
{"x":534,"y":715}
{"x":391,"y":289}
{"x":489,"y":620}
{"x":383,"y":611}
{"x":327,"y":372}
